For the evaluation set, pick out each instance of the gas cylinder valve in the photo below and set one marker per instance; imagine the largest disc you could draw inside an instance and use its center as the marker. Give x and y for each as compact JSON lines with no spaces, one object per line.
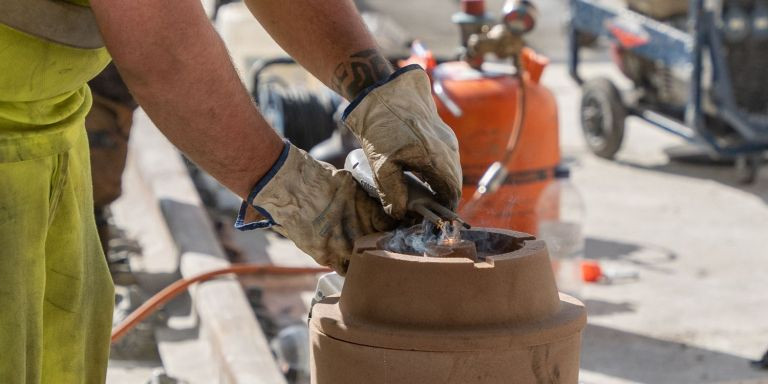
{"x":505,"y":39}
{"x":520,"y":16}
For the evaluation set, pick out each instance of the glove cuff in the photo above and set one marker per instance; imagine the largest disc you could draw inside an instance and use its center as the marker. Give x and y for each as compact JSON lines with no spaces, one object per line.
{"x":379,"y":83}
{"x":268,"y":221}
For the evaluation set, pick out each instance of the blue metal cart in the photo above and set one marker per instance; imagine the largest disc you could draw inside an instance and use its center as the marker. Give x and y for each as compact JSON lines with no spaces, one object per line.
{"x":700,"y":75}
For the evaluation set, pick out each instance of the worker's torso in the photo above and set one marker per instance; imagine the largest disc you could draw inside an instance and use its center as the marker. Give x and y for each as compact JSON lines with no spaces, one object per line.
{"x":44,"y":67}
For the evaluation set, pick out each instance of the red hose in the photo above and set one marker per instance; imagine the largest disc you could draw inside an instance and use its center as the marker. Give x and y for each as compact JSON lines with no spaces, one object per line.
{"x":181,"y":285}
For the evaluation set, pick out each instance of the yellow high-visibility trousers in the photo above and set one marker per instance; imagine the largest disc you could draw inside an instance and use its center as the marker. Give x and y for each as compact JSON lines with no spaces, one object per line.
{"x":56,"y":294}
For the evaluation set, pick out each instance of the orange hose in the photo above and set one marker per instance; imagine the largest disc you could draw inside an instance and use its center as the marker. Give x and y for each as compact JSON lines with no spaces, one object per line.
{"x":181,"y":285}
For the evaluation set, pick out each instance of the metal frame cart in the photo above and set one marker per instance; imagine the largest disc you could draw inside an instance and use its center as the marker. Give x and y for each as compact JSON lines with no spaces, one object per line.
{"x":711,"y":115}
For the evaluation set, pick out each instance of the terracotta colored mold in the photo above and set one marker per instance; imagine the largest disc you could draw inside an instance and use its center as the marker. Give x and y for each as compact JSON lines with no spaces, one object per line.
{"x":405,"y":318}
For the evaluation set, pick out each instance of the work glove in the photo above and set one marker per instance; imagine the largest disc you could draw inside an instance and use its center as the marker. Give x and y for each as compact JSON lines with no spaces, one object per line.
{"x":322,"y":209}
{"x":399,"y":130}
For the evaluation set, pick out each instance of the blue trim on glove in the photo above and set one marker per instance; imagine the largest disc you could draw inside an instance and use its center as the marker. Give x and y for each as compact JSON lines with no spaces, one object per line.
{"x":240,"y":223}
{"x":379,"y":83}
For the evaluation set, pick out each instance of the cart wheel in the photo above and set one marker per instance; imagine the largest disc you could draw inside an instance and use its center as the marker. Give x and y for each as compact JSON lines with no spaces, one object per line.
{"x":602,"y":117}
{"x":747,"y":167}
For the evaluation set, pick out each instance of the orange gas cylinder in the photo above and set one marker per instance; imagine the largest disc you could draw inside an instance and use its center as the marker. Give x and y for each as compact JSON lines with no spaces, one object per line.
{"x":481,"y":107}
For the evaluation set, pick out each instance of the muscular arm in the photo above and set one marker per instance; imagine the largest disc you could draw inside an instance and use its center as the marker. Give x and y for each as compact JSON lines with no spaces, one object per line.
{"x":328,"y":38}
{"x":179,"y":71}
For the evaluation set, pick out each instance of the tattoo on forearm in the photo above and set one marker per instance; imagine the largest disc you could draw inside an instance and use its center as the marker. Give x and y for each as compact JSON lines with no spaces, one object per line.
{"x":363,"y":69}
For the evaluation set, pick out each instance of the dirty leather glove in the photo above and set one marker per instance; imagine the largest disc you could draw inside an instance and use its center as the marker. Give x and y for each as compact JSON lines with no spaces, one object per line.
{"x":399,"y":130}
{"x":322,"y":209}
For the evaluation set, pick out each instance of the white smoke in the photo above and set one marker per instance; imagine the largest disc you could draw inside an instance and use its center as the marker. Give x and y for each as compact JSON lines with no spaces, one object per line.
{"x":413,"y":240}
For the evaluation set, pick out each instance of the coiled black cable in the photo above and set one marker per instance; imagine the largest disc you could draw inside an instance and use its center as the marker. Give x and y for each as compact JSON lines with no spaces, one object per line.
{"x":302,"y":116}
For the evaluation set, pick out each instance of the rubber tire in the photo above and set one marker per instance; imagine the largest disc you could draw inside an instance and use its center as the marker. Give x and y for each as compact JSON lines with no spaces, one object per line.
{"x":602,"y":137}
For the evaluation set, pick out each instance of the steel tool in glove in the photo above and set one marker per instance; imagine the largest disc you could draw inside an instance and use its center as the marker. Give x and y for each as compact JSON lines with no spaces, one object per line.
{"x":323,"y":210}
{"x":421,"y":200}
{"x":399,"y":130}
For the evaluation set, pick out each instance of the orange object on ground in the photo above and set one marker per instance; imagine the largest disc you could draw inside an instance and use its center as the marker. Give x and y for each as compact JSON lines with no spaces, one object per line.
{"x":591,"y":271}
{"x":179,"y":286}
{"x":487,"y":106}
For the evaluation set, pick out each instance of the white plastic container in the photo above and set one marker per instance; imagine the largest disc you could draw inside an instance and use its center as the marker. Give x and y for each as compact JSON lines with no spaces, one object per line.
{"x":560,"y":212}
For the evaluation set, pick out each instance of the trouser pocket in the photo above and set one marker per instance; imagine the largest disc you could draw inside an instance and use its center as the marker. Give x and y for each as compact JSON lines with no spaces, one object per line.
{"x":58,"y":183}
{"x":64,"y":246}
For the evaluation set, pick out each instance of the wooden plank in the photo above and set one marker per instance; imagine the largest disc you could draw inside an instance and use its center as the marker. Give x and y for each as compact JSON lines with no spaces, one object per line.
{"x":227,"y":321}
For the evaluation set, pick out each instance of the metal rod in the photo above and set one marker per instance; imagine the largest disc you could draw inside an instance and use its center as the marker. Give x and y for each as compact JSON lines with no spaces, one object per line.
{"x":428,"y":215}
{"x":448,"y":214}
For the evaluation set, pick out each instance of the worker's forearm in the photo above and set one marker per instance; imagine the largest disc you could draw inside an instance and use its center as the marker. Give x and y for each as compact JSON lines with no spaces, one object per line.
{"x":179,"y":71}
{"x":328,"y":38}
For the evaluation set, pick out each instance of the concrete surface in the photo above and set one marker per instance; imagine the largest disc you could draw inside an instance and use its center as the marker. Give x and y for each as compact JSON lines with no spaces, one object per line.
{"x":698,"y":240}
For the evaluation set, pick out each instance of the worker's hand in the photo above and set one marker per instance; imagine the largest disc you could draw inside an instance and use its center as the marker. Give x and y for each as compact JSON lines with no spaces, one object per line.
{"x":320,"y":208}
{"x":399,"y":129}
